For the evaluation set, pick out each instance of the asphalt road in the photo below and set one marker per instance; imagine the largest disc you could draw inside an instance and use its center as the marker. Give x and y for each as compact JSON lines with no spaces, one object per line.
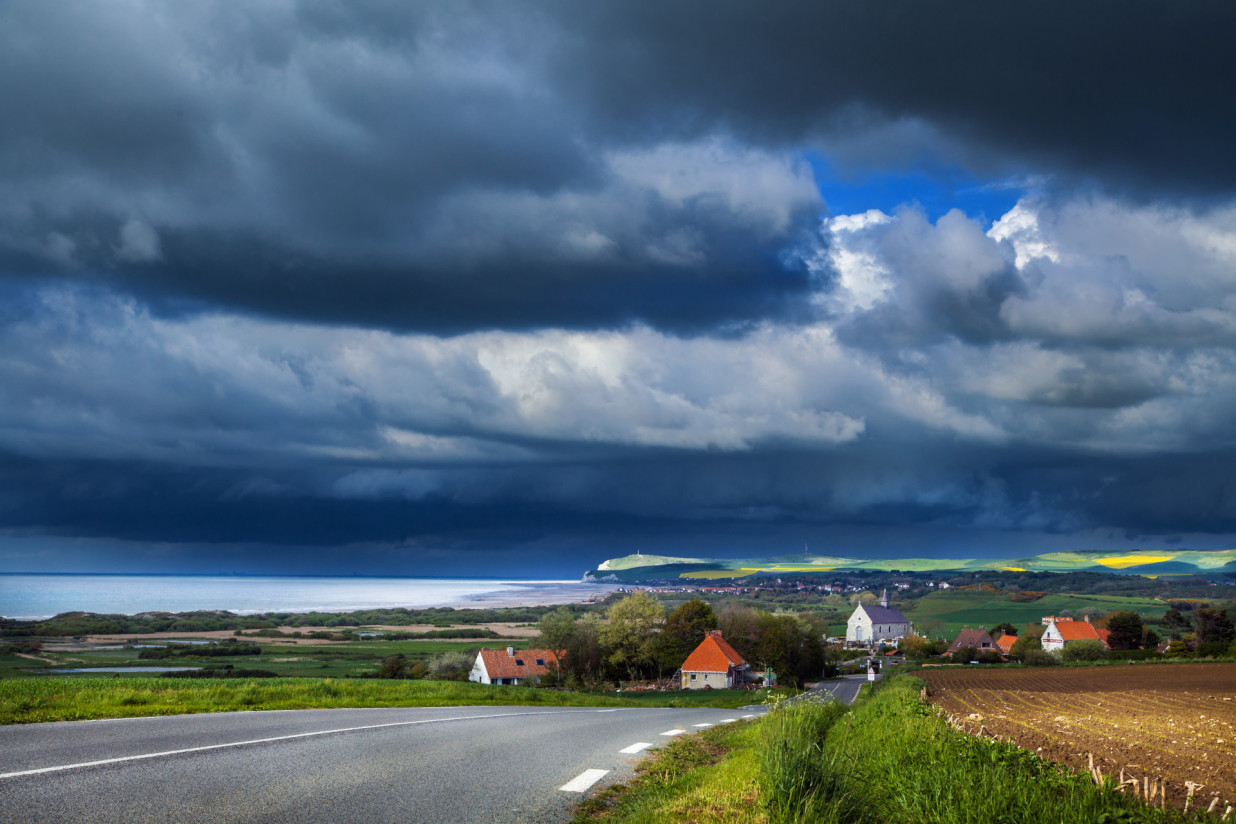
{"x":443,"y":764}
{"x":844,"y":689}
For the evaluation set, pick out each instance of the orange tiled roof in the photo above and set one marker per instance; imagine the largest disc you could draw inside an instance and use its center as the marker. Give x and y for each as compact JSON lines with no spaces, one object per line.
{"x":714,"y":654}
{"x":1077,"y":631}
{"x":521,"y":664}
{"x":1005,"y":643}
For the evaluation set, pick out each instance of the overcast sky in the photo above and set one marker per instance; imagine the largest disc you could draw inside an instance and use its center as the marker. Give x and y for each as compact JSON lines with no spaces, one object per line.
{"x":511,"y":287}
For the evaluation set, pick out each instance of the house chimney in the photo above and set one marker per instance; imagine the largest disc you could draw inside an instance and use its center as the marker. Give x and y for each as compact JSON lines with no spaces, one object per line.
{"x":510,"y":651}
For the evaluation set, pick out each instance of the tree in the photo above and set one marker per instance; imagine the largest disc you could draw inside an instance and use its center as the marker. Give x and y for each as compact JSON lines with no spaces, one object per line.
{"x":1175,"y":624}
{"x":866,"y":598}
{"x":683,"y":631}
{"x":395,"y":666}
{"x":1024,"y":645}
{"x":1176,"y":649}
{"x":1125,"y":630}
{"x":557,"y":629}
{"x":631,"y":625}
{"x":912,"y":646}
{"x":1003,"y":629}
{"x":1213,"y":626}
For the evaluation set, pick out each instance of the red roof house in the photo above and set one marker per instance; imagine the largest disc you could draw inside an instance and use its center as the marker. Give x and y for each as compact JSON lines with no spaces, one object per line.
{"x":1005,"y":643}
{"x":1061,"y":632}
{"x":714,"y":664}
{"x":512,"y":666}
{"x":980,"y":639}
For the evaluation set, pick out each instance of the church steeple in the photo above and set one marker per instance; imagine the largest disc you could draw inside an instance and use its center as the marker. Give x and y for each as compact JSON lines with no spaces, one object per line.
{"x":884,"y":599}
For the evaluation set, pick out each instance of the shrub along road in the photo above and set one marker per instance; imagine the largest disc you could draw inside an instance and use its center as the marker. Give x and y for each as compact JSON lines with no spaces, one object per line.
{"x":459,"y":764}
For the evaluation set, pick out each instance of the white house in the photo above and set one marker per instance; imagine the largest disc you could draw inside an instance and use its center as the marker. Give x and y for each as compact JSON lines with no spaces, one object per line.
{"x":714,"y":663}
{"x":1061,"y":632}
{"x":871,"y":624}
{"x":511,"y":666}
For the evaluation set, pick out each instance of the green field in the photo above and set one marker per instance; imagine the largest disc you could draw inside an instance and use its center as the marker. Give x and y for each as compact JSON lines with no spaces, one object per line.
{"x":1152,"y":562}
{"x":950,"y":611}
{"x":30,"y":700}
{"x":335,"y":660}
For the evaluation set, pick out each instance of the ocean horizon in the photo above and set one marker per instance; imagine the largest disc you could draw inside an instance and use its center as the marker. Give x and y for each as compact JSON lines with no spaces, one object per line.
{"x":36,"y":596}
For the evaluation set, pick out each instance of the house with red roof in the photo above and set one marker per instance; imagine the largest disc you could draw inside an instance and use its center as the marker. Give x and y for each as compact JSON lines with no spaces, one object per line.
{"x":1061,"y":632}
{"x":979,"y":639}
{"x":714,"y":664}
{"x":512,"y":666}
{"x":1005,"y":643}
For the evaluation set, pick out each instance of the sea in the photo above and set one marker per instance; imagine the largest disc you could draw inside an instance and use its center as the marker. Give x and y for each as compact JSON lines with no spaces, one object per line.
{"x":37,"y":596}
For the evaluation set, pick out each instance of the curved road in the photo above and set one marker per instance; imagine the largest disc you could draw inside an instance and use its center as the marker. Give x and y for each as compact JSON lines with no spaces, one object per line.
{"x":441,"y":764}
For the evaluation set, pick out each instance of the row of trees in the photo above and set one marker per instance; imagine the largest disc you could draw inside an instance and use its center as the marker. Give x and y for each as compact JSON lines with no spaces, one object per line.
{"x":638,"y":640}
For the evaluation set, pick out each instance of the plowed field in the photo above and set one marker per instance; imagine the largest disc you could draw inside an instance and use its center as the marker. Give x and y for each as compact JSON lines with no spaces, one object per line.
{"x":1175,"y":722}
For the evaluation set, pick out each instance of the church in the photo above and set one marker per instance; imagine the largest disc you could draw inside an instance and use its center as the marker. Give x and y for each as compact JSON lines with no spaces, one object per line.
{"x":872,"y":624}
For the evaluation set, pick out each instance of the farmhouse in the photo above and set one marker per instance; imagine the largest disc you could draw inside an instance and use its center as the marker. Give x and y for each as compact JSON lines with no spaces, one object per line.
{"x":979,"y":639}
{"x":715,"y":664}
{"x":1005,"y":643}
{"x":1061,"y":632}
{"x":870,"y":624}
{"x":512,"y":666}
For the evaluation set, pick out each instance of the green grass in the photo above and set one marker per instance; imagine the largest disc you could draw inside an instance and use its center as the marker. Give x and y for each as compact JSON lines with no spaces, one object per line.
{"x":707,"y":778}
{"x":890,"y":758}
{"x":895,"y":759}
{"x":312,"y":660}
{"x":30,"y":700}
{"x":955,"y":609}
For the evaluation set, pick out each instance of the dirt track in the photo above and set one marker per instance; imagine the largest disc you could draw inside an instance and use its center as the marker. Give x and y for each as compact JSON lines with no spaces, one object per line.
{"x":1171,"y":721}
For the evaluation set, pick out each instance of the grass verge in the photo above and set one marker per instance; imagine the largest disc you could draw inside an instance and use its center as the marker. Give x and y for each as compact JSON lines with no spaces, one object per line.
{"x":706,"y":778}
{"x":30,"y":700}
{"x":890,"y":758}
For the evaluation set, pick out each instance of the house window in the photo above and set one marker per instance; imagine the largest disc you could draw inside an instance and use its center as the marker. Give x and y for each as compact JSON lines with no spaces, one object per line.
{"x":519,"y":662}
{"x":540,"y":662}
{"x":692,"y":676}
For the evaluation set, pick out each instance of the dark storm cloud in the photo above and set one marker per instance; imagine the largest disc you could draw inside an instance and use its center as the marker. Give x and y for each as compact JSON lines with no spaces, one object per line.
{"x":430,"y":168}
{"x":549,"y":276}
{"x":1130,"y":93}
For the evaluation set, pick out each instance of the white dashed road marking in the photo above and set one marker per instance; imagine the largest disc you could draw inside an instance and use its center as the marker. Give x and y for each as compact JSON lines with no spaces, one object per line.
{"x":673,"y":732}
{"x":703,"y":725}
{"x":634,"y":748}
{"x":583,"y":781}
{"x":253,"y":741}
{"x":728,"y":720}
{"x":748,"y":716}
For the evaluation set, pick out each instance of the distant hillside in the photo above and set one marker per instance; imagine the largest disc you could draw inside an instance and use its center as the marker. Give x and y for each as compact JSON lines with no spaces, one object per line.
{"x":1149,"y":562}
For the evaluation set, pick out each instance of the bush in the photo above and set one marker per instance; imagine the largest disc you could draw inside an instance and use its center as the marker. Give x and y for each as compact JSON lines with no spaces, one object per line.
{"x":1211,"y":649}
{"x":1040,"y":658}
{"x":1084,"y":651}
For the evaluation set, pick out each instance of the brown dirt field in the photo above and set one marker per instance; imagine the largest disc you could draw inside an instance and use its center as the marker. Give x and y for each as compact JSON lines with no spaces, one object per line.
{"x":1175,"y":722}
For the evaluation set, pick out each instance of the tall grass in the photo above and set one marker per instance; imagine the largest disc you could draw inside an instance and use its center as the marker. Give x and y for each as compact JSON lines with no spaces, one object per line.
{"x":796,"y":771}
{"x":28,"y":700}
{"x":895,"y":759}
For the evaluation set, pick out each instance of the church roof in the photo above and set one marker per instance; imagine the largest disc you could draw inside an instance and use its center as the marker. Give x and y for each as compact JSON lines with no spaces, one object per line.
{"x":884,"y":615}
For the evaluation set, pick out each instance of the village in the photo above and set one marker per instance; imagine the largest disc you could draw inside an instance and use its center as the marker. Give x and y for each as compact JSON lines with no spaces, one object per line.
{"x":876,"y":634}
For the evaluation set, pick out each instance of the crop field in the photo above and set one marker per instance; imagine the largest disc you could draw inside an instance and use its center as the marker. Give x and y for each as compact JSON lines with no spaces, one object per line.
{"x":1173,"y":722}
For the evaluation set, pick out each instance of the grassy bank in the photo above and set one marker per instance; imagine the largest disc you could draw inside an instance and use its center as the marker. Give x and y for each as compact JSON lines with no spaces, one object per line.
{"x":708,"y":778}
{"x":891,"y":758}
{"x":30,"y":700}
